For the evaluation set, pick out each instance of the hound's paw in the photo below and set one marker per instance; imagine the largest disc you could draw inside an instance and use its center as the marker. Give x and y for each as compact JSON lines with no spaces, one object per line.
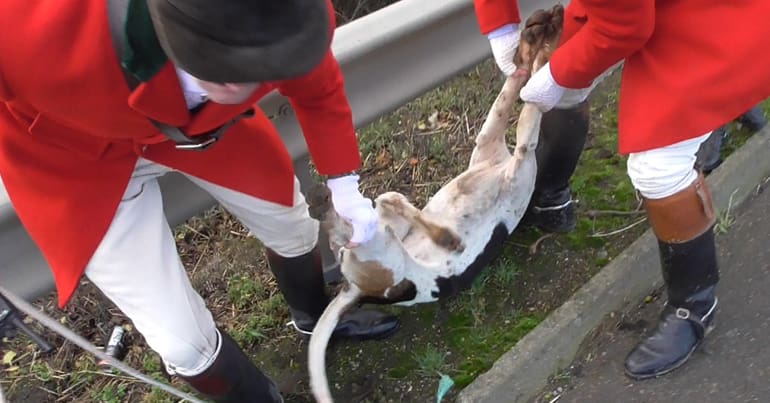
{"x":539,"y":37}
{"x":319,"y":200}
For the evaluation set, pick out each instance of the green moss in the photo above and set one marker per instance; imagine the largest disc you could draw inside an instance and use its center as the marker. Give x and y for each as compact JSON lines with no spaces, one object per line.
{"x":151,"y":363}
{"x":430,"y":360}
{"x":110,"y":393}
{"x":481,"y":347}
{"x":505,"y":271}
{"x":244,"y":289}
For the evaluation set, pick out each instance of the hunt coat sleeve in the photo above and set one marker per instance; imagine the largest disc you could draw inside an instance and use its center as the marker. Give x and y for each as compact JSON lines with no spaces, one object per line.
{"x":323,"y":111}
{"x":690,"y":66}
{"x":493,"y":14}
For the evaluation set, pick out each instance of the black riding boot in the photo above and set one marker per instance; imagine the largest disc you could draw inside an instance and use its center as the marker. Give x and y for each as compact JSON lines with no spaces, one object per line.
{"x":754,"y":119}
{"x":683,"y":224}
{"x":301,"y":282}
{"x":709,"y":155}
{"x":233,"y":378}
{"x":563,"y":134}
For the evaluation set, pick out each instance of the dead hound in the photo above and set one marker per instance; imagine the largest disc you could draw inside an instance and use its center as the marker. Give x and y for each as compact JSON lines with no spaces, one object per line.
{"x":422,"y":255}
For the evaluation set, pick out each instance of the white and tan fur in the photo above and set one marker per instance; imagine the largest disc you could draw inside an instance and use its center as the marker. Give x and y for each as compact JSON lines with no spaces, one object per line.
{"x":421,"y":255}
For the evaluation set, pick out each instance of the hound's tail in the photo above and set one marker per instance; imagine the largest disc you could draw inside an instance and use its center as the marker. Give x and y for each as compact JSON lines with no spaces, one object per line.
{"x":322,"y":332}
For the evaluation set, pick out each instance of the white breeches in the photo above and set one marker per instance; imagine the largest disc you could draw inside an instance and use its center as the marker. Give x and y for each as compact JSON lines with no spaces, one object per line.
{"x":137,"y":265}
{"x":664,"y":171}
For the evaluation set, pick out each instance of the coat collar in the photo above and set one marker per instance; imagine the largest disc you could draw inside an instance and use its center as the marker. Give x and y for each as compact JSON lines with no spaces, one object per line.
{"x":159,"y":94}
{"x":160,"y":98}
{"x":143,"y":57}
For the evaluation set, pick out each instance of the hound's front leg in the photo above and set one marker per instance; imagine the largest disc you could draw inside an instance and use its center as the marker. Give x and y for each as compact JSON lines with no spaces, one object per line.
{"x":320,"y":207}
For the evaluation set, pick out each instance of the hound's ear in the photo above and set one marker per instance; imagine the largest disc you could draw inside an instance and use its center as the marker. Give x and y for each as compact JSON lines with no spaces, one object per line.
{"x":405,"y":290}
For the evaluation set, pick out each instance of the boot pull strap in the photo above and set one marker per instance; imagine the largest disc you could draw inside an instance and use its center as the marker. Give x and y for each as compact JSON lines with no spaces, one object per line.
{"x":705,"y":196}
{"x":684,"y":215}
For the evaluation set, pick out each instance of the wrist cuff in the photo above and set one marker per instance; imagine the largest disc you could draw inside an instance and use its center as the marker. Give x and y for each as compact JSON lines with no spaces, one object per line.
{"x":504,"y":30}
{"x":335,"y":176}
{"x":343,"y":184}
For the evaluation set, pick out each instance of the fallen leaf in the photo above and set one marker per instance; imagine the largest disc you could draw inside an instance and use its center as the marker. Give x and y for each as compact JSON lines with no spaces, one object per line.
{"x":433,"y":120}
{"x":8,"y":357}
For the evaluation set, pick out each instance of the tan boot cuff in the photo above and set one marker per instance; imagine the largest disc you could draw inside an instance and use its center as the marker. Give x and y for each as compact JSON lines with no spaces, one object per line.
{"x":683,"y":215}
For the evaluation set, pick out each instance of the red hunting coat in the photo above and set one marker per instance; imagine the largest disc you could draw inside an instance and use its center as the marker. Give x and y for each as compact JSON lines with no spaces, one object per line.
{"x":690,"y":66}
{"x":71,"y":132}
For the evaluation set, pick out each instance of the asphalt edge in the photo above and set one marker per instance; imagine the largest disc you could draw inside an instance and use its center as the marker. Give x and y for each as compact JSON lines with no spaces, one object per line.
{"x":522,"y":372}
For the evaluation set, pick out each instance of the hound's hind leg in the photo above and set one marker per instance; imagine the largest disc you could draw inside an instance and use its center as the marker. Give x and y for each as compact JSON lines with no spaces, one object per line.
{"x":394,"y":206}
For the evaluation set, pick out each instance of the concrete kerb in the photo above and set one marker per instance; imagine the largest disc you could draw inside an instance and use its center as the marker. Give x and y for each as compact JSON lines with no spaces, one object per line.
{"x":522,"y":372}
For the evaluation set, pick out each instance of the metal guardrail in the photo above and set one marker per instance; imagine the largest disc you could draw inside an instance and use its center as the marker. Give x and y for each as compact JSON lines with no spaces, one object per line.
{"x":388,"y":58}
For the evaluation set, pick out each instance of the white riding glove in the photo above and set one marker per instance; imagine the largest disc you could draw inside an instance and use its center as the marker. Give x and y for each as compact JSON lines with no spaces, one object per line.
{"x":542,"y":90}
{"x":504,"y":41}
{"x":351,"y":205}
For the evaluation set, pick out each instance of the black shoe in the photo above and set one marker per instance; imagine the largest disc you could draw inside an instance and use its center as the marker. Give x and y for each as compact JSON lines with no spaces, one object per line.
{"x":301,"y":282}
{"x":361,"y":324}
{"x":558,"y":219}
{"x":552,"y":217}
{"x":680,"y":331}
{"x":754,"y":119}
